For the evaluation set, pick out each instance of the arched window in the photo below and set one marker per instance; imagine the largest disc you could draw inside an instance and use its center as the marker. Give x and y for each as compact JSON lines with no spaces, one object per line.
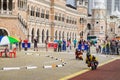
{"x":32,"y":37}
{"x":43,"y":35}
{"x":10,"y":5}
{"x":67,"y":36}
{"x":55,"y":34}
{"x":72,"y":36}
{"x":63,"y":35}
{"x":38,"y":35}
{"x":4,"y":4}
{"x":47,"y":35}
{"x":59,"y":35}
{"x":75,"y":36}
{"x":89,"y":26}
{"x":3,"y":32}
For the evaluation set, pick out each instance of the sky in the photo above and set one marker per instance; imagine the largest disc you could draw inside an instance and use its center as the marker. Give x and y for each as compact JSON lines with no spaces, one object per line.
{"x":71,"y":2}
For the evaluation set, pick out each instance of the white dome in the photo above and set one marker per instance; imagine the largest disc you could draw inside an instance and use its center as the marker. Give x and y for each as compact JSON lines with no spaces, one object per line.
{"x":99,"y":4}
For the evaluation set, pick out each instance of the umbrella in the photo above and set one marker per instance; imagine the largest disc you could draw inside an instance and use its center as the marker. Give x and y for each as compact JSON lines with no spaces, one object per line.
{"x":4,"y":40}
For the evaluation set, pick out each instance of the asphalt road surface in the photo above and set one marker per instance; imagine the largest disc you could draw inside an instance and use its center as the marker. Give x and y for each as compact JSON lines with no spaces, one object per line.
{"x":110,"y":71}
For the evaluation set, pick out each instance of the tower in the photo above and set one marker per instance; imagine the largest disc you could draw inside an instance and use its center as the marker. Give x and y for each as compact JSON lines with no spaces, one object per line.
{"x":90,"y":6}
{"x":112,"y":5}
{"x":99,"y":19}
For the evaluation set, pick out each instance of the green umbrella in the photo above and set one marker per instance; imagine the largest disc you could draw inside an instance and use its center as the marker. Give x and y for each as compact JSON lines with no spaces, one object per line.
{"x":4,"y":40}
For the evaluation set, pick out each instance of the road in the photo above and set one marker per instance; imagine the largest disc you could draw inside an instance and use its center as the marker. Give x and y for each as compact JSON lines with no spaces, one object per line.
{"x":110,"y":71}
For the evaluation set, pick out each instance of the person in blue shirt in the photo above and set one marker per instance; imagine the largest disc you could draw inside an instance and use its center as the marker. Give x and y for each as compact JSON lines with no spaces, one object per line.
{"x":75,"y":42}
{"x":64,"y":45}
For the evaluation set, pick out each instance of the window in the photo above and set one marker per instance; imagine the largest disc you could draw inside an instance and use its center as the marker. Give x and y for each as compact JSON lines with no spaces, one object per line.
{"x":47,"y":14}
{"x":59,"y":18}
{"x":38,"y":12}
{"x":67,"y":20}
{"x":70,"y":20}
{"x":32,"y":11}
{"x":111,"y":29}
{"x":55,"y":16}
{"x":42,"y":13}
{"x":101,"y":27}
{"x":10,"y":5}
{"x":63,"y":17}
{"x":4,"y":4}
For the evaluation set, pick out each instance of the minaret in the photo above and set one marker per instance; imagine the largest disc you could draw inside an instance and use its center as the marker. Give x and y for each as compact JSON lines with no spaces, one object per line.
{"x":99,"y":19}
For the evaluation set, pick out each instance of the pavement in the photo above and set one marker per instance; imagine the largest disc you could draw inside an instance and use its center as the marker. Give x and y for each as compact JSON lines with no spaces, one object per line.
{"x":45,"y":65}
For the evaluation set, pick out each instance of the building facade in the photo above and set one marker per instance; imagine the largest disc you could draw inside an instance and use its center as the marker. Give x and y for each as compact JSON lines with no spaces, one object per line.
{"x":42,"y":19}
{"x":101,"y":24}
{"x":112,"y":5}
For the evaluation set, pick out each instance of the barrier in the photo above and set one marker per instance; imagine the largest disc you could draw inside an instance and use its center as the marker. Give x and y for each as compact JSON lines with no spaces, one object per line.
{"x":11,"y":68}
{"x":60,"y":65}
{"x":31,"y":67}
{"x":54,"y":65}
{"x":52,"y":45}
{"x":48,"y":66}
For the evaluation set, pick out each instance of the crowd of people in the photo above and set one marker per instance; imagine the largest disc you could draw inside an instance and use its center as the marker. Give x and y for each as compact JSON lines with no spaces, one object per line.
{"x":102,"y":46}
{"x":64,"y":45}
{"x":108,"y":47}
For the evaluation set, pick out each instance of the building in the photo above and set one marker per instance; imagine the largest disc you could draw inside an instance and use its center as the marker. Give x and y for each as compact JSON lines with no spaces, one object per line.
{"x":101,"y":24}
{"x":90,"y":6}
{"x":52,"y":19}
{"x":42,"y":19}
{"x":112,"y":5}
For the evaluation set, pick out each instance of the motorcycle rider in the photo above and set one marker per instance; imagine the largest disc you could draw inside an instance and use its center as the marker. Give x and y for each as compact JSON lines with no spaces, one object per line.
{"x":79,"y":54}
{"x":90,"y":58}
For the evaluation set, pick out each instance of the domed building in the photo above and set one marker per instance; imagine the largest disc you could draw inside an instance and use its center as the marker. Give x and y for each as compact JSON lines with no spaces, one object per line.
{"x":102,"y":25}
{"x":99,"y":4}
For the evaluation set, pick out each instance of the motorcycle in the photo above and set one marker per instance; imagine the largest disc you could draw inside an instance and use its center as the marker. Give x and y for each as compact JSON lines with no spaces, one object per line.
{"x":78,"y":55}
{"x":93,"y":65}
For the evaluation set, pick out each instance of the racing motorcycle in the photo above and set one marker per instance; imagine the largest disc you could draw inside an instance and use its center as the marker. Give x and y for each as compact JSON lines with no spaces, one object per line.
{"x":93,"y":65}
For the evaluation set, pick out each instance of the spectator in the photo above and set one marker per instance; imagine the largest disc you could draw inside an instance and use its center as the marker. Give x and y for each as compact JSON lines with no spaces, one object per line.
{"x":59,"y":45}
{"x":68,"y":45}
{"x":75,"y":42}
{"x":46,"y":43}
{"x":20,"y":43}
{"x":35,"y":45}
{"x":6,"y":51}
